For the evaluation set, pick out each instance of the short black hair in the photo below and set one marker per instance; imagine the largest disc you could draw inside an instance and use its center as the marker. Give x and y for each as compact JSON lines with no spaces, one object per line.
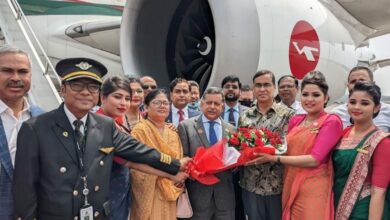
{"x":174,"y":82}
{"x":231,"y":78}
{"x":113,"y":84}
{"x":289,"y":76}
{"x":356,"y":68}
{"x":152,"y":95}
{"x":193,"y":83}
{"x":213,"y":90}
{"x":245,"y":88}
{"x":372,"y":90}
{"x":264,"y":72}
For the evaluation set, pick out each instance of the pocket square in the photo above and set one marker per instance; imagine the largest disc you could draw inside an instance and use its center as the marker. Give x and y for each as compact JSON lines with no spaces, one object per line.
{"x":106,"y":150}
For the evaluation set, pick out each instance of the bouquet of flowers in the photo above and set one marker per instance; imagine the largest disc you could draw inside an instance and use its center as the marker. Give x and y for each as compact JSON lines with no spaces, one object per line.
{"x":235,"y":150}
{"x":251,"y":140}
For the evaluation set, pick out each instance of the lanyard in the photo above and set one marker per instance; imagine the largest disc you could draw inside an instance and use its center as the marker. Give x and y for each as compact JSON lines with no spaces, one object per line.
{"x":80,"y":150}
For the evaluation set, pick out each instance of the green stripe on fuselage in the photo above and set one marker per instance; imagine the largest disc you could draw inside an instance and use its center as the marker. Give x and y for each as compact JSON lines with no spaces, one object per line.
{"x":47,"y":7}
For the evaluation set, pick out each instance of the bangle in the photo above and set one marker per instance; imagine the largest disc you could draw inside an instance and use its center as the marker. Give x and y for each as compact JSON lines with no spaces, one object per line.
{"x":278,"y":159}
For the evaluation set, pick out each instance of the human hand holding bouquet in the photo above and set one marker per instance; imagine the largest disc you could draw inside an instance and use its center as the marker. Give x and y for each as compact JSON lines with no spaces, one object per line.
{"x":238,"y":149}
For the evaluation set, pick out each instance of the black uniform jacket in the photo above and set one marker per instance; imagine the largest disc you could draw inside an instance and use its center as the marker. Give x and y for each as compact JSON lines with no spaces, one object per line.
{"x":47,"y":181}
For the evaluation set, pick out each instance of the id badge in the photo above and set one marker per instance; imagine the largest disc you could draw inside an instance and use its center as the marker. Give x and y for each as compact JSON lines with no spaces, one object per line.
{"x":86,"y":213}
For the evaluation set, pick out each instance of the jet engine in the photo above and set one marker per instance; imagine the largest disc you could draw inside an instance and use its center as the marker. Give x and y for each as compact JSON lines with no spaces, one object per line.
{"x":206,"y":40}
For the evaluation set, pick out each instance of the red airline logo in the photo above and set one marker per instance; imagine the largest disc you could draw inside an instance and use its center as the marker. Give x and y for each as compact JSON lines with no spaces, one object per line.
{"x":304,"y":51}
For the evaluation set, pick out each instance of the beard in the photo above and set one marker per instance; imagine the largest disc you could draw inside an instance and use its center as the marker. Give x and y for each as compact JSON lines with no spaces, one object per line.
{"x":230,"y":97}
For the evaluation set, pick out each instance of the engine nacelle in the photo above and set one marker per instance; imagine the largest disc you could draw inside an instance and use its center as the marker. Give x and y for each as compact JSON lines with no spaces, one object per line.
{"x":207,"y":40}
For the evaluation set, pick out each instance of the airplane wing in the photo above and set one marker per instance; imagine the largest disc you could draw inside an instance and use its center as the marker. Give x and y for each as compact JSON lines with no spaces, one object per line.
{"x":363,"y":19}
{"x":99,"y":34}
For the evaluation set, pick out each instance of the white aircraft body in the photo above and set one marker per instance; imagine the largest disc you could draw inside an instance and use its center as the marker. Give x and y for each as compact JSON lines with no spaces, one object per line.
{"x":206,"y":40}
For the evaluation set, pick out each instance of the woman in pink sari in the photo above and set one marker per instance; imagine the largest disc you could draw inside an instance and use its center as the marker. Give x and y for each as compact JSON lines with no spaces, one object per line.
{"x":307,"y":189}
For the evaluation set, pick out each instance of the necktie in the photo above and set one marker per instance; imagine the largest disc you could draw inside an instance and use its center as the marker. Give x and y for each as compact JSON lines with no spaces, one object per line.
{"x":212,"y":135}
{"x":232,"y":121}
{"x":79,"y":135}
{"x":181,"y":115}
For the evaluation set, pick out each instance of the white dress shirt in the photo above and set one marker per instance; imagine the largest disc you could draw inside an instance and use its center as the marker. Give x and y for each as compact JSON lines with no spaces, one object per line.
{"x":297,"y":106}
{"x":72,"y":118}
{"x":175,"y":114}
{"x":12,"y":125}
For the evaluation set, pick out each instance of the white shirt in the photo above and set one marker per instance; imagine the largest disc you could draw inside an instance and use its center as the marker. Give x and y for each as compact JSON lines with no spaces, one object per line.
{"x":382,"y":120}
{"x":12,"y":125}
{"x":72,"y":118}
{"x":217,"y":127}
{"x":175,"y":114}
{"x":297,"y":106}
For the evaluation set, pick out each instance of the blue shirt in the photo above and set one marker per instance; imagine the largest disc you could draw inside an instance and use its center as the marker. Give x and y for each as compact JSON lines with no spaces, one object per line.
{"x":217,"y":127}
{"x":236,"y":113}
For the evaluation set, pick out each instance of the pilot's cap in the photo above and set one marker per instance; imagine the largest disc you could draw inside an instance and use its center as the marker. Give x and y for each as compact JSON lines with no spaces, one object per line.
{"x":76,"y":68}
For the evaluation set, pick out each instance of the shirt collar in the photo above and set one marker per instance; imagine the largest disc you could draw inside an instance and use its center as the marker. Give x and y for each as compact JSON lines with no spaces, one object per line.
{"x":236,"y":108}
{"x":72,"y":118}
{"x":256,"y":110}
{"x":4,"y":107}
{"x":206,"y":120}
{"x":175,"y":110}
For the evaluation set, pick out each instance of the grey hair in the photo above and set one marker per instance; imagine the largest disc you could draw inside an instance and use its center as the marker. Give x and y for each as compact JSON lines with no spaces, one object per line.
{"x":7,"y":48}
{"x":213,"y":90}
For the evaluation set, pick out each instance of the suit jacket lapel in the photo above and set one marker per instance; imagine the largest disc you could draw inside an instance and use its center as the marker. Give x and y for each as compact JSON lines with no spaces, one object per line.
{"x":5,"y":157}
{"x":64,"y":132}
{"x":169,"y":119}
{"x":200,"y":130}
{"x":94,"y":137}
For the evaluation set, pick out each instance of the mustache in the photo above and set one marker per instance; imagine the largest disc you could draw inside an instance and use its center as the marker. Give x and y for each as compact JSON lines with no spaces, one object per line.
{"x":18,"y":84}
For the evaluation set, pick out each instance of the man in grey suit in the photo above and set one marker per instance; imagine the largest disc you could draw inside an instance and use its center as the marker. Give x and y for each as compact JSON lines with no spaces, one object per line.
{"x":215,"y":201}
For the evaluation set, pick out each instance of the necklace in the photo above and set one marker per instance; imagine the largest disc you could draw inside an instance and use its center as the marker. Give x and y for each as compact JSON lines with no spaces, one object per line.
{"x":307,"y":123}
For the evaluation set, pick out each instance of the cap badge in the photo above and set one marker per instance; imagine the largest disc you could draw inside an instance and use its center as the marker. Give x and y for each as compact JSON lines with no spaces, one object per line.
{"x":84,"y":65}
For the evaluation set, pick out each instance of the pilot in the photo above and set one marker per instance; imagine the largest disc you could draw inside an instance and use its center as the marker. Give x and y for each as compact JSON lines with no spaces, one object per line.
{"x":64,"y":158}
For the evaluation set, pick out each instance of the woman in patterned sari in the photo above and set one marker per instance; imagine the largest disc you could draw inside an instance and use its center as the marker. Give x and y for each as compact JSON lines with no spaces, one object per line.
{"x":307,"y":188}
{"x":115,"y":97}
{"x":153,"y":197}
{"x":361,"y":161}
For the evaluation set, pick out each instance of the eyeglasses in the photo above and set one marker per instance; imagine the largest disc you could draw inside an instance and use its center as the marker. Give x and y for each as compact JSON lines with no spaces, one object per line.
{"x":230,"y":86}
{"x":286,"y":87}
{"x":79,"y":86}
{"x":145,"y":86}
{"x":138,"y":91}
{"x":160,"y":102}
{"x":264,"y":85}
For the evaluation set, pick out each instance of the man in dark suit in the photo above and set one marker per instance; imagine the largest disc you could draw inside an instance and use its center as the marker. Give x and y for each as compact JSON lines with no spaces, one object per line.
{"x":180,"y":96}
{"x":64,"y":157}
{"x":216,"y":201}
{"x":15,"y":81}
{"x":232,"y":110}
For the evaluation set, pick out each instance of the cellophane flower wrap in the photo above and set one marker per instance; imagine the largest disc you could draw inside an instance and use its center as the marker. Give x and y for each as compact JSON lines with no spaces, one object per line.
{"x":238,"y":148}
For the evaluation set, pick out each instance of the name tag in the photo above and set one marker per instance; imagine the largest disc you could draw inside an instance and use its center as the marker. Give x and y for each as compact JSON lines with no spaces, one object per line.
{"x":86,"y":213}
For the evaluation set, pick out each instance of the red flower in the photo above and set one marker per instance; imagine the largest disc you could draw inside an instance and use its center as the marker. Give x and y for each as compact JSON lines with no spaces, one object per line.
{"x":248,"y":135}
{"x":234,"y":141}
{"x":258,"y":143}
{"x":243,"y":130}
{"x":244,"y":145}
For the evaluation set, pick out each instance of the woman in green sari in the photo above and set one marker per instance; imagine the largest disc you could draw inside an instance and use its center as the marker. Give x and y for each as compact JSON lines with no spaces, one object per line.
{"x":362,"y":169}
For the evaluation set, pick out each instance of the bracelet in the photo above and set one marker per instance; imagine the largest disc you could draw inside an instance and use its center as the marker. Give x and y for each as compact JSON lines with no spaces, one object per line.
{"x":278,"y":159}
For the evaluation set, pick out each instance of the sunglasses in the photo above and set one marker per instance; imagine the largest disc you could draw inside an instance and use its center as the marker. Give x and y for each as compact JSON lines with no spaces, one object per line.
{"x":149,"y":86}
